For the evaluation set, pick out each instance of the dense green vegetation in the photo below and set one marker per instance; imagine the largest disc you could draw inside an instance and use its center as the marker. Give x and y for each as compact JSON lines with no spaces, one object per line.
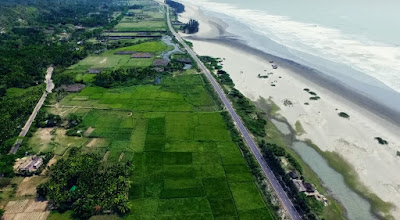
{"x":271,"y":154}
{"x":125,"y":77}
{"x":191,"y":27}
{"x":178,"y":7}
{"x":17,"y":103}
{"x":35,"y":34}
{"x":26,"y":50}
{"x":251,"y":117}
{"x":83,"y":184}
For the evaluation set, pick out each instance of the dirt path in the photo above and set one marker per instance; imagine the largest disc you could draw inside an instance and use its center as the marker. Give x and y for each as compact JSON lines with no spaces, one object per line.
{"x":25,"y":129}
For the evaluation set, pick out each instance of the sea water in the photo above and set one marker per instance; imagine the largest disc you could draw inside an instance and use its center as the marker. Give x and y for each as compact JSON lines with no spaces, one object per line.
{"x":357,"y":43}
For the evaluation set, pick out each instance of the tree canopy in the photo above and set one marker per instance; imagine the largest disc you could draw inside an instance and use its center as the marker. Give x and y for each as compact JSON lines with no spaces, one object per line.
{"x":82,"y":183}
{"x":191,"y":27}
{"x":178,"y":7}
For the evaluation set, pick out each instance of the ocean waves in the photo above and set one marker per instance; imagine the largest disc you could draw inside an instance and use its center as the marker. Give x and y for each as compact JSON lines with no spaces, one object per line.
{"x":324,"y":48}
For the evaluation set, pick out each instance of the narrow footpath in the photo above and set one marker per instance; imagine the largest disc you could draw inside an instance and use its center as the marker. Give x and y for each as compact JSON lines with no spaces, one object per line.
{"x":25,"y":129}
{"x":285,"y":201}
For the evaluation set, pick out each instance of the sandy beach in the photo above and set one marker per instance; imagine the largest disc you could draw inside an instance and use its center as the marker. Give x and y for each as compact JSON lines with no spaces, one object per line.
{"x":354,"y":138}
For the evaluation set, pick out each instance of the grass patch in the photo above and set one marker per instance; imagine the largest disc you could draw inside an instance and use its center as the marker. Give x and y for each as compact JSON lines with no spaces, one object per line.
{"x":141,"y":26}
{"x":299,"y":128}
{"x":246,"y":196}
{"x":152,"y":46}
{"x":54,"y":215}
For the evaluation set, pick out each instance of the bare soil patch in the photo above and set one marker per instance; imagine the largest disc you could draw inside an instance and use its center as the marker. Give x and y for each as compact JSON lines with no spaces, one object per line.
{"x":45,"y":135}
{"x":49,"y":164}
{"x":37,"y":206}
{"x":29,"y":184}
{"x":93,"y":142}
{"x":29,"y":216}
{"x":103,"y":61}
{"x":121,"y":156}
{"x":16,"y":206}
{"x":88,"y":132}
{"x":26,"y":210}
{"x":106,"y":156}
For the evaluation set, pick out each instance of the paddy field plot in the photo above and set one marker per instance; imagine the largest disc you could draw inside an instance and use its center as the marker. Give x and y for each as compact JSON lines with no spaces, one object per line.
{"x":109,"y":60}
{"x":185,"y":164}
{"x":169,"y":96}
{"x":147,"y":25}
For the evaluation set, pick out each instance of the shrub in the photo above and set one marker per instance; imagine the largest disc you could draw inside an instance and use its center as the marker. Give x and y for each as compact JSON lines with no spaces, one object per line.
{"x":344,"y":115}
{"x":81,"y":183}
{"x":312,"y":93}
{"x":381,"y":141}
{"x":4,"y":182}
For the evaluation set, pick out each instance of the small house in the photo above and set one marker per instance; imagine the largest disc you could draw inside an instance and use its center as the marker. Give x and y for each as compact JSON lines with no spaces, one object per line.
{"x":309,"y":187}
{"x":78,"y":27}
{"x":158,"y":69}
{"x":293,"y":175}
{"x":37,"y":164}
{"x":127,"y":52}
{"x":95,"y":71}
{"x":29,"y":164}
{"x":72,"y":88}
{"x":185,"y":60}
{"x":142,"y":55}
{"x":299,"y":185}
{"x":160,"y":62}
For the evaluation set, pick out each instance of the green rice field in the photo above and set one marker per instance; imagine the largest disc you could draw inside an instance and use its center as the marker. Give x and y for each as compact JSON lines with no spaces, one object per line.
{"x":141,"y":26}
{"x":109,"y":60}
{"x":185,"y":164}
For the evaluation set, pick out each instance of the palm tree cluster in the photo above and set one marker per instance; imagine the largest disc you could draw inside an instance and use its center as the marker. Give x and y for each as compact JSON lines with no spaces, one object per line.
{"x":191,"y":27}
{"x":82,"y":183}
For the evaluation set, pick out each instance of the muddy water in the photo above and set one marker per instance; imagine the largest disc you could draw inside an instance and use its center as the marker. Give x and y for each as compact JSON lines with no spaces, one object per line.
{"x":282,"y":127}
{"x":357,"y":208}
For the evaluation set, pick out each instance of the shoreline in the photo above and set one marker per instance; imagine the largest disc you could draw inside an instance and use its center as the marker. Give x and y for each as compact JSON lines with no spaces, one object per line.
{"x":223,"y":37}
{"x":372,"y":118}
{"x":371,"y":106}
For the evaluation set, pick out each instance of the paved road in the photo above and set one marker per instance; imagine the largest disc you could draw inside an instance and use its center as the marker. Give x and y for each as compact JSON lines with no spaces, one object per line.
{"x":249,"y":140}
{"x":25,"y":129}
